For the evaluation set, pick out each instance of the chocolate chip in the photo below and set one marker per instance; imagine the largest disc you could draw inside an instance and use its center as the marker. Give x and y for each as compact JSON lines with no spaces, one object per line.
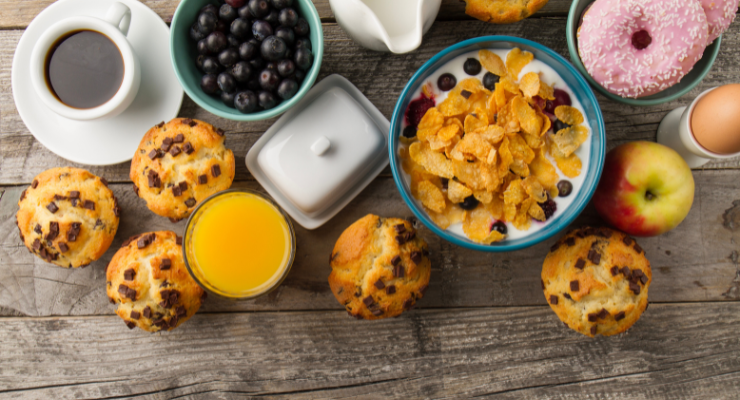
{"x":147,"y":312}
{"x":592,"y":317}
{"x":183,"y":186}
{"x":167,"y":141}
{"x":164,"y":284}
{"x":190,"y":202}
{"x":154,"y":154}
{"x":169,"y":298}
{"x":54,"y":227}
{"x":581,"y":234}
{"x":131,"y":324}
{"x":580,"y":264}
{"x":188,"y":148}
{"x":603,"y":313}
{"x":627,"y":240}
{"x":637,"y":248}
{"x":615,"y":270}
{"x":160,"y":323}
{"x":63,"y":247}
{"x":466,"y":94}
{"x":215,"y":171}
{"x":176,"y":191}
{"x":637,"y":273}
{"x":377,"y":312}
{"x":180,"y":311}
{"x":126,"y":291}
{"x":574,"y":286}
{"x":165,"y":147}
{"x":644,"y":279}
{"x":52,"y":207}
{"x":116,"y":209}
{"x":379,"y":284}
{"x":368,"y":301}
{"x":175,"y":150}
{"x":396,"y":260}
{"x":567,"y":296}
{"x":136,"y":190}
{"x":179,"y":138}
{"x":37,"y":229}
{"x":605,"y":233}
{"x":154,"y":180}
{"x":619,"y":316}
{"x":145,"y":240}
{"x":553,"y":299}
{"x":390,"y":289}
{"x":425,"y":252}
{"x":59,"y":197}
{"x":635,"y":288}
{"x":165,"y":264}
{"x":186,"y":121}
{"x":74,"y":194}
{"x":400,"y":228}
{"x":423,"y":289}
{"x":161,"y":124}
{"x":543,"y":284}
{"x":407,"y":304}
{"x":626,"y":272}
{"x":34,"y":184}
{"x":594,"y":256}
{"x":89,"y":204}
{"x":593,"y":330}
{"x":555,"y":246}
{"x":220,"y":131}
{"x":129,"y":274}
{"x":203,"y":179}
{"x":98,"y":222}
{"x":401,"y":239}
{"x":192,"y":123}
{"x":23,"y":194}
{"x":398,"y":271}
{"x":409,"y":236}
{"x":178,"y":240}
{"x":135,"y":314}
{"x":416,"y":257}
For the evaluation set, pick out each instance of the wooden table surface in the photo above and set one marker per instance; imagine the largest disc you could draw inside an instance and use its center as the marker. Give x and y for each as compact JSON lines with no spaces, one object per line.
{"x":482,"y":330}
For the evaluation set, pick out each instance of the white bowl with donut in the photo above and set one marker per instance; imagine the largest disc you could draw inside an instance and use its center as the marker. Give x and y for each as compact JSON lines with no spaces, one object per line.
{"x":646,"y":52}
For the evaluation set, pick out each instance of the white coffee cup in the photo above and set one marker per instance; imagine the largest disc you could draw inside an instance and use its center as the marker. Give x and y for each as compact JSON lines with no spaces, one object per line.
{"x":115,"y":27}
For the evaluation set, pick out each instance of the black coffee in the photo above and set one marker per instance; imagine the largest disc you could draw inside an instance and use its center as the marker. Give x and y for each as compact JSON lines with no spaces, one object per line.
{"x":84,"y":69}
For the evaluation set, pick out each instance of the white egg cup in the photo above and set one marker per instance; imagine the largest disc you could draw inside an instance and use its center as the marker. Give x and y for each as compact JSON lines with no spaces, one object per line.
{"x":675,"y":132}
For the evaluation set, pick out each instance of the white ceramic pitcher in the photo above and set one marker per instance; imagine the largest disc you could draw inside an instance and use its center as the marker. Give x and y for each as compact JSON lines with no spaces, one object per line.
{"x":386,"y":25}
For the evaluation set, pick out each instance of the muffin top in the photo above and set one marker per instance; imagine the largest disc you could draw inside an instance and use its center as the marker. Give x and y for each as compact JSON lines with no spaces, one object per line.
{"x":179,"y":164}
{"x":68,"y":217}
{"x":502,"y":11}
{"x":596,"y":280}
{"x":380,"y":267}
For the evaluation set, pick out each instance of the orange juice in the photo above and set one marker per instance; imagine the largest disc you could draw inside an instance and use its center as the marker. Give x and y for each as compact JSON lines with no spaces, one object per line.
{"x":239,"y":244}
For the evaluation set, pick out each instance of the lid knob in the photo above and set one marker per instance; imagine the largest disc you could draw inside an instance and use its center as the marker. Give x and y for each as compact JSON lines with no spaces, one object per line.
{"x":321,"y":146}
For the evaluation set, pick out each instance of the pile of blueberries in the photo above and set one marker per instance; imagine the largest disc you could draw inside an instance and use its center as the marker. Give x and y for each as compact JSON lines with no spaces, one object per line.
{"x":253,"y":53}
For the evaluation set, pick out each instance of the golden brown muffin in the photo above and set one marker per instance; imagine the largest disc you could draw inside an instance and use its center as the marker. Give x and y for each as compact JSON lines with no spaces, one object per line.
{"x":179,"y":164}
{"x":502,"y":11}
{"x":379,"y":267}
{"x":596,"y":280}
{"x":67,"y":217}
{"x":148,"y":280}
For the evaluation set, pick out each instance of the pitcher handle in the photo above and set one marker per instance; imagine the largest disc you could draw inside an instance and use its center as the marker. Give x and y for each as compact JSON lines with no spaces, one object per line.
{"x":119,"y":15}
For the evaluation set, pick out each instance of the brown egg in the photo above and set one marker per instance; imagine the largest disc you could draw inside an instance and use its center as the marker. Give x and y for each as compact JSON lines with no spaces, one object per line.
{"x":715,"y":120}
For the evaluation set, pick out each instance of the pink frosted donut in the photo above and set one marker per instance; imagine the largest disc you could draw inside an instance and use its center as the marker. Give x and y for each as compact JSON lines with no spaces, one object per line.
{"x":635,"y":48}
{"x":720,"y":14}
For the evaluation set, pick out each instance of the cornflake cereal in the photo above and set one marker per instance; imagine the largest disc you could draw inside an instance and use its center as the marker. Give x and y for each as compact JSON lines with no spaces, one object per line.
{"x":491,"y":152}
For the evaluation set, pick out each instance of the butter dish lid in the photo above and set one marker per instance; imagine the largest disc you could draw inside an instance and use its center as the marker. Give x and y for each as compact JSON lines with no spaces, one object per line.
{"x":320,"y":154}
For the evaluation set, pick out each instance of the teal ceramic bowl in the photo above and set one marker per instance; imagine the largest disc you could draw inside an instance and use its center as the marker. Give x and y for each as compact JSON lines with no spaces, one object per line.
{"x":592,"y":116}
{"x":183,"y":54}
{"x":700,"y":70}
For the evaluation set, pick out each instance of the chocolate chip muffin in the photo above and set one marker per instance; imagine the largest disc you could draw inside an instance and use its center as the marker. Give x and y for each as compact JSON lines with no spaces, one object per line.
{"x":502,"y":11}
{"x":596,"y":280}
{"x":150,"y":284}
{"x":179,"y":164}
{"x":68,"y":217}
{"x":379,"y":267}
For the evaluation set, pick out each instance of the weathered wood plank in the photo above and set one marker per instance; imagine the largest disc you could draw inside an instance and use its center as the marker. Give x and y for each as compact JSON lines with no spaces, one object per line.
{"x":380,"y":76}
{"x":698,"y":261}
{"x":677,"y":351}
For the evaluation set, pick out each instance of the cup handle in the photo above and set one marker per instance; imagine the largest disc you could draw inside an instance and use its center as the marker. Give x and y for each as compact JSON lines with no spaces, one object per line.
{"x":119,"y":15}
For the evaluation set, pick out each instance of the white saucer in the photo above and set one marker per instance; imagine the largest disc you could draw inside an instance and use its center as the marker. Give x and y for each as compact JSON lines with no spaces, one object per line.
{"x":113,"y":140}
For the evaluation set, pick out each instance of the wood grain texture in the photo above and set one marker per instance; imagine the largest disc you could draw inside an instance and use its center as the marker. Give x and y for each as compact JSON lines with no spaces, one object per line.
{"x":698,"y":261}
{"x":677,"y":351}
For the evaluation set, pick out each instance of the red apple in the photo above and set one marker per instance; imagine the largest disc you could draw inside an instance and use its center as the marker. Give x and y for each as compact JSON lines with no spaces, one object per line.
{"x":646,"y":189}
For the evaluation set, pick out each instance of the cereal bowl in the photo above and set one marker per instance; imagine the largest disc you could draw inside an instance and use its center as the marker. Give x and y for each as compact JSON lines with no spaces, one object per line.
{"x":566,"y":77}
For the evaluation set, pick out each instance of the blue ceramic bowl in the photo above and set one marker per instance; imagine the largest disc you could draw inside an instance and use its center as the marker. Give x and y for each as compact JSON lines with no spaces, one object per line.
{"x":592,"y":116}
{"x":183,"y":54}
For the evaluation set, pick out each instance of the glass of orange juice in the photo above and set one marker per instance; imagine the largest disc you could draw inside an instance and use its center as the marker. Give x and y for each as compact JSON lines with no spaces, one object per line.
{"x":239,"y":244}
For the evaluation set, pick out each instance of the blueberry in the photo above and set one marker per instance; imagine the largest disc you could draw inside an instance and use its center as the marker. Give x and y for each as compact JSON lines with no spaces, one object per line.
{"x":286,"y":34}
{"x":246,"y":101}
{"x":300,"y":75}
{"x":472,"y":66}
{"x":269,"y":80}
{"x":409,"y":131}
{"x":303,"y":42}
{"x":228,"y":57}
{"x":227,"y":13}
{"x":226,"y":82}
{"x":469,"y":203}
{"x":490,"y":80}
{"x":206,"y":22}
{"x":244,"y":12}
{"x":558,"y":125}
{"x":210,"y":65}
{"x":240,"y":28}
{"x":199,"y":62}
{"x":248,"y":50}
{"x":233,"y":41}
{"x":288,"y":17}
{"x":242,"y":71}
{"x":267,"y":100}
{"x":257,"y":63}
{"x":303,"y":58}
{"x":235,"y":3}
{"x":286,"y":67}
{"x":210,"y":8}
{"x":289,"y":54}
{"x":217,"y":42}
{"x":273,"y":17}
{"x":549,"y":207}
{"x":499,"y":226}
{"x":203,"y":47}
{"x":280,"y":4}
{"x":261,"y":30}
{"x":208,"y":84}
{"x":228,"y":98}
{"x":259,"y":8}
{"x":565,"y":188}
{"x":446,"y":82}
{"x":196,"y":34}
{"x":254,"y":85}
{"x":287,"y":89}
{"x":301,"y":27}
{"x":273,"y":48}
